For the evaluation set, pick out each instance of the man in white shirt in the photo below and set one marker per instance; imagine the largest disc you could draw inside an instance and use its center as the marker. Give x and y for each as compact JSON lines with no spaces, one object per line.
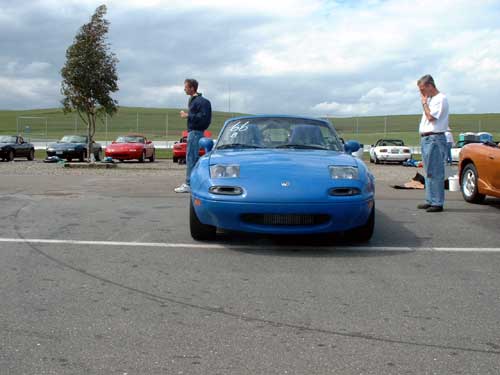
{"x":433,"y":125}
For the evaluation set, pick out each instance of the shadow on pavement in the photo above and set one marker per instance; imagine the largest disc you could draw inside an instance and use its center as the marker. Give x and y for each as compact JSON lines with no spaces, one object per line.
{"x":388,"y":233}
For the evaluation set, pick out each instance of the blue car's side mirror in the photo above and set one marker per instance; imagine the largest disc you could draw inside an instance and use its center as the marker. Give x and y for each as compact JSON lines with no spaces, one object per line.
{"x":207,"y":144}
{"x":351,"y":146}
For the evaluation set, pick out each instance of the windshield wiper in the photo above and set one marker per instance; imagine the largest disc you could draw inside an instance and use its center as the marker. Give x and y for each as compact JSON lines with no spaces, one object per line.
{"x":290,"y":145}
{"x":237,"y":145}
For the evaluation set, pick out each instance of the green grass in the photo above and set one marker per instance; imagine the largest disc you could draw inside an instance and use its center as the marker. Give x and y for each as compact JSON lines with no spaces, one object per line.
{"x":368,"y":130}
{"x":157,"y":124}
{"x":165,"y":124}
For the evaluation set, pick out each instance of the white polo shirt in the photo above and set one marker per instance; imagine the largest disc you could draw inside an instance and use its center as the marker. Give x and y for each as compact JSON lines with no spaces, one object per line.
{"x":438,"y":106}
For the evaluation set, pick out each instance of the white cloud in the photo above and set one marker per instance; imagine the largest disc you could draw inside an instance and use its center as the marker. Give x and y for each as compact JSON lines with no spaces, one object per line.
{"x":162,"y":96}
{"x":281,"y":8}
{"x":342,"y":109}
{"x":26,"y":89}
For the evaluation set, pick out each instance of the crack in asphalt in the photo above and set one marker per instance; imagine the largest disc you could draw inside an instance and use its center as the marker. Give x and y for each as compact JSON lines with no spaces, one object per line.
{"x":220,"y":310}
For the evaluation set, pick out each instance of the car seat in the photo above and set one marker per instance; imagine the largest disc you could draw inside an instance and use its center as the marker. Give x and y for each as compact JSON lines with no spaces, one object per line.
{"x":250,"y":136}
{"x":306,"y":135}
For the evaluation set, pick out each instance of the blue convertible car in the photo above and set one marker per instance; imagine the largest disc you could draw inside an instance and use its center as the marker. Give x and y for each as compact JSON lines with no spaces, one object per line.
{"x":281,"y":175}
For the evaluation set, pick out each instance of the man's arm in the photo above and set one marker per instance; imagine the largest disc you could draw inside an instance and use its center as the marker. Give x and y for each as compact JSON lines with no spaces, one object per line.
{"x":427,"y":110}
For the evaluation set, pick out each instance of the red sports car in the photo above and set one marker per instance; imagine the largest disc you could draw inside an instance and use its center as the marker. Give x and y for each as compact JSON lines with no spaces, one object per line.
{"x":179,"y":151}
{"x":131,"y":146}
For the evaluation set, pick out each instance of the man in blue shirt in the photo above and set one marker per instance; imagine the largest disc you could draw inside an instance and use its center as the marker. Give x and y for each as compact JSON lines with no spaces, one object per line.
{"x":198,"y":118}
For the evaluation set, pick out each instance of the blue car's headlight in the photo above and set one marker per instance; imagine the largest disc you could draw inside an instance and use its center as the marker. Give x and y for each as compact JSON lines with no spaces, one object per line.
{"x":343,"y":172}
{"x":225,"y":171}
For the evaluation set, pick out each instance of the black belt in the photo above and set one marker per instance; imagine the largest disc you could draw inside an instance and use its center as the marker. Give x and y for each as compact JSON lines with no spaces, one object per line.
{"x":429,"y":133}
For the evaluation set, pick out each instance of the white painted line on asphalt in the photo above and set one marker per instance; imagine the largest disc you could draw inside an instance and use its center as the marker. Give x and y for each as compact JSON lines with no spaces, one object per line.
{"x":225,"y":246}
{"x":109,"y":243}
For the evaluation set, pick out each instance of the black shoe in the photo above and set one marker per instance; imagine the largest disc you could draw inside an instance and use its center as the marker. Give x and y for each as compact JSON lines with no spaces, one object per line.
{"x":435,"y":209}
{"x":423,"y":206}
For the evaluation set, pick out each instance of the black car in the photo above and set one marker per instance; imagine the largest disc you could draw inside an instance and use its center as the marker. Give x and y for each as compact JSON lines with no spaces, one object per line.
{"x":13,"y":146}
{"x":73,"y":147}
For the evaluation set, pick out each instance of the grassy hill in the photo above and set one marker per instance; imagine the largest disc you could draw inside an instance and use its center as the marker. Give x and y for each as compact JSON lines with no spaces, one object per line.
{"x":165,"y":124}
{"x":368,"y":129}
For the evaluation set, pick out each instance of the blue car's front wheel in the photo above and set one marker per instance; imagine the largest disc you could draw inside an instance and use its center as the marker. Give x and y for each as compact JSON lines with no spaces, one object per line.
{"x":200,"y":231}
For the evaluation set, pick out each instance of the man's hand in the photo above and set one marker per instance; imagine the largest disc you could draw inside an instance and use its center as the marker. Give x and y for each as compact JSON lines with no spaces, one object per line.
{"x":423,"y":99}
{"x":183,"y":114}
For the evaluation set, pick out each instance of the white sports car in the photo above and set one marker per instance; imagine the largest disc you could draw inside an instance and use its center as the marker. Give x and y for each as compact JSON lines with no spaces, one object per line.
{"x":392,"y":150}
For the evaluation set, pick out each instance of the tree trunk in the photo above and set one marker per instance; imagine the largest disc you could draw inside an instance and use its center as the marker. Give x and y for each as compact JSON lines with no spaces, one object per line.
{"x":89,"y":137}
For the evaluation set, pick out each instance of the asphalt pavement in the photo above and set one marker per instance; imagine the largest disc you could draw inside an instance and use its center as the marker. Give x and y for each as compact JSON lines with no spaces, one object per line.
{"x":99,"y":275}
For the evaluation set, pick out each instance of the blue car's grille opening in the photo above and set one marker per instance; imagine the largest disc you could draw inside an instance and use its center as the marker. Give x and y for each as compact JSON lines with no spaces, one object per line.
{"x":344,"y":191}
{"x":285,"y":219}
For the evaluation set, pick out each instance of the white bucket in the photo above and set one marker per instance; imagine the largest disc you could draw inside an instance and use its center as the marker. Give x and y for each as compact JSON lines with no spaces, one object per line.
{"x":453,"y":183}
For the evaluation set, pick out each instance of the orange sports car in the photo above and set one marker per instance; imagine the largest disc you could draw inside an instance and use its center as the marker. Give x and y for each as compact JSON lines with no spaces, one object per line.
{"x":479,"y":171}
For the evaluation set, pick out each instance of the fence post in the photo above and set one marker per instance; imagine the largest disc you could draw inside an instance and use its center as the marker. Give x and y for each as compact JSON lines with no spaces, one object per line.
{"x":385,"y":125}
{"x":137,"y":122}
{"x":166,"y":130}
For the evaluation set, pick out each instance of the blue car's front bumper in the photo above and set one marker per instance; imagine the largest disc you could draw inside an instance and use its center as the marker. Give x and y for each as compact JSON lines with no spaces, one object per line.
{"x":335,"y":216}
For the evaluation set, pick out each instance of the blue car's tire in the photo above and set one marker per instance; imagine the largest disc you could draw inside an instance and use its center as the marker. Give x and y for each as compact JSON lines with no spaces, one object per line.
{"x":200,"y":231}
{"x":365,"y":232}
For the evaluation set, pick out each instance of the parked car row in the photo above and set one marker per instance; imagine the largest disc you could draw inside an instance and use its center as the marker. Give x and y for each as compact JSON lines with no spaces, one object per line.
{"x":70,"y":147}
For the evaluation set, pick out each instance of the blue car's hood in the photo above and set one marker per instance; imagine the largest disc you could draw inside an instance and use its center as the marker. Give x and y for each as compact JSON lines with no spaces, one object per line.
{"x":289,"y":160}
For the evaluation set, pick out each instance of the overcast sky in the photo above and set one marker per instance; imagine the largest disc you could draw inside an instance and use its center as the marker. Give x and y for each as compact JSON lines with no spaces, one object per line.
{"x":312,"y":57}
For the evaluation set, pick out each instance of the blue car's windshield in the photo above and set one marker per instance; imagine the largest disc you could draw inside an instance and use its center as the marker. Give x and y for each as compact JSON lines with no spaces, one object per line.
{"x":74,"y":139}
{"x":279,"y":132}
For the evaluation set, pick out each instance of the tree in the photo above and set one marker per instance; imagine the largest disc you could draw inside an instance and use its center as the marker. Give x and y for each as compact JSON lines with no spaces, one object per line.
{"x":89,"y":75}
